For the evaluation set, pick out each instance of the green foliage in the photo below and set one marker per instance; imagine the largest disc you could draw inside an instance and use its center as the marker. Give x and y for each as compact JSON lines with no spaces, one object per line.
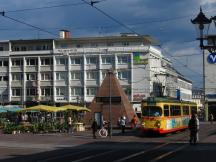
{"x":9,"y":128}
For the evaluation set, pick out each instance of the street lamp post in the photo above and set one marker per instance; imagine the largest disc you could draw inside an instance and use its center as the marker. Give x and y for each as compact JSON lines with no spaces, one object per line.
{"x":110,"y":106}
{"x":202,"y":23}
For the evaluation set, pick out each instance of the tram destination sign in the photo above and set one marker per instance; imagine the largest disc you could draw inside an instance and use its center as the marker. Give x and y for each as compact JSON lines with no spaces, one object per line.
{"x":107,"y":99}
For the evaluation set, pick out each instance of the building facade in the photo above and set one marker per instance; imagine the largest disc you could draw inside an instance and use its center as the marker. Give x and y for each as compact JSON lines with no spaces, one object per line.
{"x":70,"y":70}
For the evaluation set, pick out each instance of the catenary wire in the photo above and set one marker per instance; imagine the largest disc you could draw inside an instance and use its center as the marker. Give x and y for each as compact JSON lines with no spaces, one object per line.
{"x":27,"y":24}
{"x":112,"y":18}
{"x":45,"y":7}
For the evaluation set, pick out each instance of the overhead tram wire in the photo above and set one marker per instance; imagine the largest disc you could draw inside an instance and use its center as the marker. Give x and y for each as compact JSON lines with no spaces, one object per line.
{"x":110,"y":17}
{"x":49,"y":7}
{"x":27,"y":24}
{"x":46,"y":7}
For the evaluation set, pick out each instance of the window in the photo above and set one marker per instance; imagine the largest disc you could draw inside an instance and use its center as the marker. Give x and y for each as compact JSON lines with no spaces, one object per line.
{"x":5,"y":63}
{"x":127,"y":90}
{"x":31,"y":91}
{"x":91,"y":91}
{"x":60,"y":91}
{"x":91,"y":60}
{"x":76,"y":91}
{"x":106,"y":60}
{"x":60,"y":76}
{"x":1,"y":48}
{"x":5,"y":78}
{"x":185,"y":110}
{"x":46,"y":91}
{"x":17,"y":62}
{"x":17,"y":76}
{"x":151,"y":111}
{"x":94,"y":44}
{"x":125,"y":43}
{"x":123,"y":59}
{"x":46,"y":76}
{"x":79,"y":45}
{"x":123,"y":75}
{"x":46,"y":61}
{"x":76,"y":61}
{"x":193,"y":110}
{"x":75,"y":75}
{"x":91,"y":75}
{"x":166,"y":110}
{"x":32,"y":76}
{"x":110,"y":44}
{"x":16,"y":92}
{"x":31,"y":61}
{"x":61,"y":61}
{"x":23,"y":48}
{"x":16,"y":48}
{"x":175,"y":110}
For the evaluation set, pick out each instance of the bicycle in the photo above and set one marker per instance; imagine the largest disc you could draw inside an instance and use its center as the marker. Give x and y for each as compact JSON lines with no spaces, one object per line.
{"x":103,"y":132}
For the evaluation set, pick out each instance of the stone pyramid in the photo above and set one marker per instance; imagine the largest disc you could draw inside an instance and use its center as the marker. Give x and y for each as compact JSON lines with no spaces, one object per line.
{"x":120,"y":105}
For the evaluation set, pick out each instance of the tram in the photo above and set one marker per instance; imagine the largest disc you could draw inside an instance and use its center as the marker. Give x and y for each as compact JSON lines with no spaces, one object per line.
{"x":165,"y":115}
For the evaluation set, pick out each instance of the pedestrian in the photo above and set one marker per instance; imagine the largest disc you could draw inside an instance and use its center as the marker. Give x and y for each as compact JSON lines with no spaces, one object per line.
{"x":134,"y":122}
{"x":94,"y":127}
{"x":193,"y":126}
{"x":122,"y":124}
{"x":211,"y":118}
{"x":118,"y":122}
{"x":70,"y":127}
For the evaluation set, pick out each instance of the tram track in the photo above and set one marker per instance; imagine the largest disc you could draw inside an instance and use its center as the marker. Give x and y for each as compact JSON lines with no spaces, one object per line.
{"x":163,"y":155}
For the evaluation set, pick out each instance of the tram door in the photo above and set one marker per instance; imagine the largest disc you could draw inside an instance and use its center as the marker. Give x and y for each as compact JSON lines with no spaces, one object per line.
{"x":98,"y":118}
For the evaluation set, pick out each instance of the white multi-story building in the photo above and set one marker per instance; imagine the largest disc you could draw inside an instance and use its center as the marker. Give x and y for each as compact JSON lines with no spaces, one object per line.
{"x":70,"y":70}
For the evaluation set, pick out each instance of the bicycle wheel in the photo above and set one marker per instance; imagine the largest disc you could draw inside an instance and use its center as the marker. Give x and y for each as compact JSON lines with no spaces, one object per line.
{"x":103,"y":133}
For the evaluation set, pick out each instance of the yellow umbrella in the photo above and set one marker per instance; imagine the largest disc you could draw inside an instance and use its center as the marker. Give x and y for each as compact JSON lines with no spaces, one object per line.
{"x":43,"y":108}
{"x":76,"y":108}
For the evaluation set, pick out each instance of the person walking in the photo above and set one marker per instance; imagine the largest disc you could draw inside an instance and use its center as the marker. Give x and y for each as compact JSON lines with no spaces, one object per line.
{"x":122,"y":124}
{"x":134,"y":122}
{"x":211,"y":118}
{"x":70,"y":128}
{"x":193,"y":126}
{"x":94,"y":127}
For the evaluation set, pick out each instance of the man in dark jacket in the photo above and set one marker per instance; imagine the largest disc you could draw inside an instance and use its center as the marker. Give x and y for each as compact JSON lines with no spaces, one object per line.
{"x":94,"y":128}
{"x":193,"y":126}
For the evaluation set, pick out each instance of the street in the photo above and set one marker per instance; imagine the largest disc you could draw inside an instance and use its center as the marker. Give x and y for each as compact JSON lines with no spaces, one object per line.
{"x":132,"y":146}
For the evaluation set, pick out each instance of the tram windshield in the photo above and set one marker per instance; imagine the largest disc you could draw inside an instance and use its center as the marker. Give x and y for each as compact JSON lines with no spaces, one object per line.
{"x":151,"y":111}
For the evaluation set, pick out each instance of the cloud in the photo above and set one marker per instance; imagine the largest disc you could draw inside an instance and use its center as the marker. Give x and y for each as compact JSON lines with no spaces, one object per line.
{"x":207,"y":2}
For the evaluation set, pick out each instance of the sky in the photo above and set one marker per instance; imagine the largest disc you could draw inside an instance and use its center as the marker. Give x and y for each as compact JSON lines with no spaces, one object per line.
{"x":168,"y":21}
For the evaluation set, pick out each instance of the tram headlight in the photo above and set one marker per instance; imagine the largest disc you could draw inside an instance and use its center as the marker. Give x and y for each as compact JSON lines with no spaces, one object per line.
{"x":158,"y":124}
{"x":143,"y":124}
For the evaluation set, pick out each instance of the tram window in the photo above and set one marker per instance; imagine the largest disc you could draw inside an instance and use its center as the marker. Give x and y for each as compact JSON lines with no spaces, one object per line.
{"x":166,"y":110}
{"x":175,"y":110}
{"x":193,"y":110}
{"x":185,"y":110}
{"x":151,"y":111}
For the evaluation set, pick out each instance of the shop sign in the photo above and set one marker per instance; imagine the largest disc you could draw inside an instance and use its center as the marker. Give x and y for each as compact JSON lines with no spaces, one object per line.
{"x":138,"y":97}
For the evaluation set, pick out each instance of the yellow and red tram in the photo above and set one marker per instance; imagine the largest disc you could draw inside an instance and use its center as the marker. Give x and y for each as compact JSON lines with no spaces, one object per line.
{"x":164,"y":115}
